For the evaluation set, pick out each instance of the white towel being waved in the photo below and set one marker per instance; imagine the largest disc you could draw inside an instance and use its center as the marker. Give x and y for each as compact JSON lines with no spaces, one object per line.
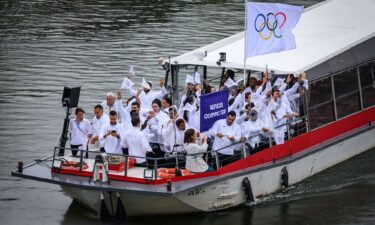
{"x":126,"y":84}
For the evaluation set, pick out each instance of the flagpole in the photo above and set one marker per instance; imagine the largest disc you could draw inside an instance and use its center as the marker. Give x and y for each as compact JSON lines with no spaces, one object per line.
{"x":245,"y":45}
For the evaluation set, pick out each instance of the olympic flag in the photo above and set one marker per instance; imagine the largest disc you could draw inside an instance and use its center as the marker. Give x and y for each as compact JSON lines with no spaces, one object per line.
{"x":269,"y":27}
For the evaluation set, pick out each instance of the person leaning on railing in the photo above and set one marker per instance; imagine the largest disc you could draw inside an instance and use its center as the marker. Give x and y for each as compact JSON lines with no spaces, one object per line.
{"x":226,"y":133}
{"x":194,"y":161}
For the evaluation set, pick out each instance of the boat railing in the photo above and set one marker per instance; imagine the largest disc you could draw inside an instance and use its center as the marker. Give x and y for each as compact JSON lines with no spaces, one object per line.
{"x":178,"y":159}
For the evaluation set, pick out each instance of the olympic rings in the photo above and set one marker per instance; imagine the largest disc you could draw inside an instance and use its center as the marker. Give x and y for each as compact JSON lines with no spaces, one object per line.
{"x":272,"y":21}
{"x":261,"y":34}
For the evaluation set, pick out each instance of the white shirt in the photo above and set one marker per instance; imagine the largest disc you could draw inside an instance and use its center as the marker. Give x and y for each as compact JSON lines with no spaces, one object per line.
{"x":154,"y":126}
{"x":173,"y":136}
{"x":97,"y":125}
{"x":125,"y":116}
{"x":221,"y":126}
{"x":249,"y":130}
{"x":281,"y":109}
{"x":147,"y":98}
{"x":137,"y":143}
{"x":111,"y":144}
{"x":192,"y":114}
{"x":79,"y":131}
{"x":107,"y":108}
{"x":237,"y":105}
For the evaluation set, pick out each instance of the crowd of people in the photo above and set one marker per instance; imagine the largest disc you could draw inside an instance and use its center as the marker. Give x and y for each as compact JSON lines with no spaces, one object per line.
{"x":149,"y":126}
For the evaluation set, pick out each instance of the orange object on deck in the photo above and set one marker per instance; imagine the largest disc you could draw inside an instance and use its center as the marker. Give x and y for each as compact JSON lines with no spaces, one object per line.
{"x":168,"y":173}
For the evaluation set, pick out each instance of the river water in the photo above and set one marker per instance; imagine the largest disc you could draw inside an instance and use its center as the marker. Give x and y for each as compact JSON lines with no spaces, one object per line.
{"x":48,"y":44}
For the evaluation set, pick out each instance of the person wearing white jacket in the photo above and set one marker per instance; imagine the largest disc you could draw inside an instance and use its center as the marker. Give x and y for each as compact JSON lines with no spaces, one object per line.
{"x":111,"y":135}
{"x":194,"y":161}
{"x":100,"y":120}
{"x":135,"y":140}
{"x":225,"y":133}
{"x":147,"y":96}
{"x":80,"y":131}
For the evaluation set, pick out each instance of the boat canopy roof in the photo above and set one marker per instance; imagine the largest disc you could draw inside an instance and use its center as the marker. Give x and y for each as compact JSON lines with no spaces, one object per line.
{"x":324,"y":31}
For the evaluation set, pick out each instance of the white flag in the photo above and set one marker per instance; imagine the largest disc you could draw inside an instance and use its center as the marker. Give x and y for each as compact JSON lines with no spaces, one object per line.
{"x":132,"y":71}
{"x":126,"y":83}
{"x":229,"y":83}
{"x":197,"y":78}
{"x":269,"y":27}
{"x":189,"y":79}
{"x":279,"y":81}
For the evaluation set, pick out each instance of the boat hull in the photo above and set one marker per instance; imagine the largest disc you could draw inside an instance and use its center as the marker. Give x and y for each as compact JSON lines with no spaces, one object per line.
{"x":229,"y":191}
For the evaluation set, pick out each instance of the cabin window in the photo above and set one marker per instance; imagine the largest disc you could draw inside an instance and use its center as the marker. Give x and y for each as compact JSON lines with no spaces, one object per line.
{"x":321,"y":103}
{"x":347,"y":93}
{"x":367,"y":73}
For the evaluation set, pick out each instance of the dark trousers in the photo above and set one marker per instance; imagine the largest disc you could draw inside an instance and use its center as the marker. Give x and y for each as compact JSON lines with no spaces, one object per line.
{"x":228,"y":159}
{"x":74,"y":149}
{"x":144,"y":164}
{"x":170,"y":162}
{"x":156,"y":153}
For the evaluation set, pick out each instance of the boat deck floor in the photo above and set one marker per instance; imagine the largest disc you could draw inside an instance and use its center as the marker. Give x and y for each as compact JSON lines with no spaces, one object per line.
{"x":41,"y":171}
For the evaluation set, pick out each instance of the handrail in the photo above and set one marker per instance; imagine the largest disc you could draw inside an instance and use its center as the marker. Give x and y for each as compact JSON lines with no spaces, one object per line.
{"x":175,"y":156}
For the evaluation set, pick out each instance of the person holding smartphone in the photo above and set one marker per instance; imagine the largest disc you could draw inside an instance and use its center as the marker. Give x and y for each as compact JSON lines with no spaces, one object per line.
{"x":111,"y":135}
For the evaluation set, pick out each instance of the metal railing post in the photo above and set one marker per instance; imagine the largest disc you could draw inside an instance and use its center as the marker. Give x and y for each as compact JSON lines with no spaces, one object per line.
{"x":156,"y":168}
{"x":270,"y":140}
{"x":217,"y":160}
{"x":244,"y":150}
{"x":80,"y":160}
{"x":288,"y":127}
{"x":126,"y":166}
{"x":54,"y":156}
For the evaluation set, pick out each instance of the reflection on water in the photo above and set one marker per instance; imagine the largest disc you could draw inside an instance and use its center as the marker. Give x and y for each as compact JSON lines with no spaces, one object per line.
{"x":47,"y":44}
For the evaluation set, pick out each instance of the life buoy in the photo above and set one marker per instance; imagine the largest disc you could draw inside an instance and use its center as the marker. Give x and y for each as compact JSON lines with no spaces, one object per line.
{"x":72,"y":165}
{"x":168,"y":173}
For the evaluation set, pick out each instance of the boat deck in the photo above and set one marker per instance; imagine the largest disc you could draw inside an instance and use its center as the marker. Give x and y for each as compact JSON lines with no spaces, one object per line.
{"x":41,"y":171}
{"x":135,"y":172}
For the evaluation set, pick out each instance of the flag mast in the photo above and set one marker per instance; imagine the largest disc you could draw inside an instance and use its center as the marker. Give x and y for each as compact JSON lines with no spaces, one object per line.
{"x":245,"y":45}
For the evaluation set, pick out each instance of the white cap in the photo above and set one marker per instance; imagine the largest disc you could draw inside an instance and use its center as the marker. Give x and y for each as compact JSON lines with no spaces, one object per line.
{"x":145,"y":84}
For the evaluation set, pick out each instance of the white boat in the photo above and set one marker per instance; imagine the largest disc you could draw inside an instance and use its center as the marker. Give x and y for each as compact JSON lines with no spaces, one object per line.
{"x":336,"y":48}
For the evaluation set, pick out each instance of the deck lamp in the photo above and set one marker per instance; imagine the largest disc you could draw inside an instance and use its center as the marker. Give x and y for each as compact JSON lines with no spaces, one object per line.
{"x":223,"y":57}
